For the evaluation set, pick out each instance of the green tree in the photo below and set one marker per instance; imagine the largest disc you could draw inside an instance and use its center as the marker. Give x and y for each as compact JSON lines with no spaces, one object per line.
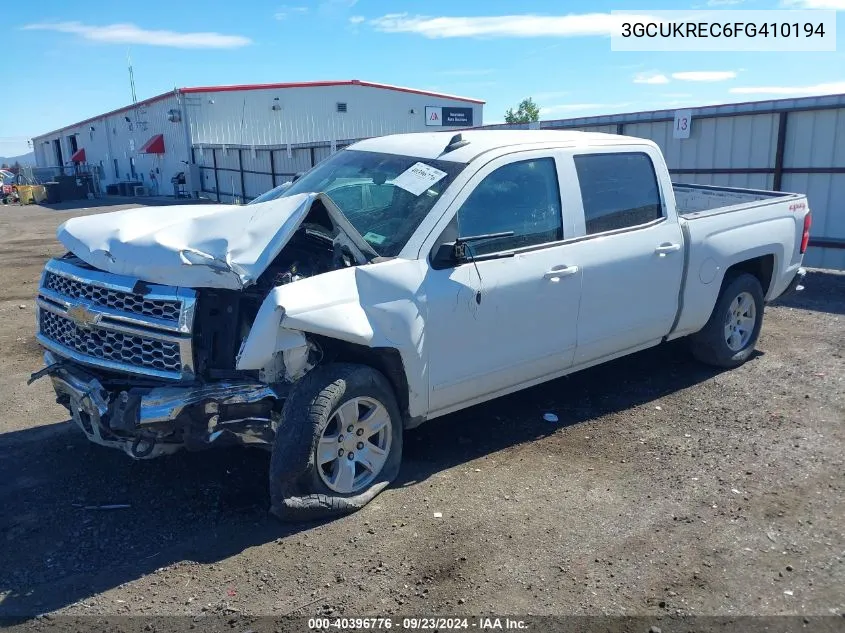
{"x":527,"y":112}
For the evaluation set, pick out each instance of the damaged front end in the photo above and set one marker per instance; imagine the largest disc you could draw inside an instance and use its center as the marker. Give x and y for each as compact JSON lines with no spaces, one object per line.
{"x":148,"y":422}
{"x":151,"y":368}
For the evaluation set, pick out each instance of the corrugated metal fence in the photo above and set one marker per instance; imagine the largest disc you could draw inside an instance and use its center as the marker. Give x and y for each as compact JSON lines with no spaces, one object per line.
{"x":240,"y":173}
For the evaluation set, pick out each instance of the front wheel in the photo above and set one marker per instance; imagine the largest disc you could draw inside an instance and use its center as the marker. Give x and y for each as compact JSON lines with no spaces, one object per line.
{"x":338,"y":445}
{"x":729,"y":337}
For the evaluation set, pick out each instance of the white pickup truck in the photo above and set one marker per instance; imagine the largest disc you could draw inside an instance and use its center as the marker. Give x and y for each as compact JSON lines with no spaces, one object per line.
{"x":403,"y":278}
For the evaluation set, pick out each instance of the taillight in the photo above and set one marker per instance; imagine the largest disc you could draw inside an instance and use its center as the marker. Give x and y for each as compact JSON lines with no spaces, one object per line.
{"x":805,"y":238}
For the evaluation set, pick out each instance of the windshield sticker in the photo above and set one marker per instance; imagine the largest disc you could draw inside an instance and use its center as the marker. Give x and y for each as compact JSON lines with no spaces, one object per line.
{"x":418,"y":177}
{"x":374,"y":238}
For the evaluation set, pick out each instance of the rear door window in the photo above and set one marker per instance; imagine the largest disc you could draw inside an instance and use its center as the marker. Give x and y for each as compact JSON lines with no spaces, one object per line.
{"x":619,"y":190}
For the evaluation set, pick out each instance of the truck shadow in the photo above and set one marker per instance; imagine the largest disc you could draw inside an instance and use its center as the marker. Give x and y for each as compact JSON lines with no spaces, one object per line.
{"x":824,"y":291}
{"x":60,"y":547}
{"x":519,"y":417}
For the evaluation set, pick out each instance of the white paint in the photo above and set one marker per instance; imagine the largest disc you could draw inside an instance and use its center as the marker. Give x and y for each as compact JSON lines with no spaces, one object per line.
{"x":197,"y":246}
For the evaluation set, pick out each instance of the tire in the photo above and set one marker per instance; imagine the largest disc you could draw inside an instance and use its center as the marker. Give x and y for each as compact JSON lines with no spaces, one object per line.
{"x":301,"y":487}
{"x":711,"y":345}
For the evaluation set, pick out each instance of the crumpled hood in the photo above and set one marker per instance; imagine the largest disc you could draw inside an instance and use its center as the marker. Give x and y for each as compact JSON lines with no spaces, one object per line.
{"x":195,"y":246}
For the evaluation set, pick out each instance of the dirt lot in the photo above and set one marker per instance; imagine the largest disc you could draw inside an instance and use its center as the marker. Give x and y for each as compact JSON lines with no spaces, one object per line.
{"x":666,"y":488}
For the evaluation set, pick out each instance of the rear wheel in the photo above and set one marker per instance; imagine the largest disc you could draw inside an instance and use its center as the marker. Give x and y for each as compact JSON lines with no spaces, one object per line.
{"x":338,"y":445}
{"x":729,"y":337}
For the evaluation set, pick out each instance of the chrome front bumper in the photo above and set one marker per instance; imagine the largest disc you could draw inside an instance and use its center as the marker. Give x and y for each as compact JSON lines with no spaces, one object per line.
{"x":149,"y":423}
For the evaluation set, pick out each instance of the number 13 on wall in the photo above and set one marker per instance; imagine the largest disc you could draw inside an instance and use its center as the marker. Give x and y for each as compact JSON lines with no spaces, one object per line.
{"x":683,"y":123}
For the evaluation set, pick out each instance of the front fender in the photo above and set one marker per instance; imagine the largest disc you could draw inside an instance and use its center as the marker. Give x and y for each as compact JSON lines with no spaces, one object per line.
{"x":376,"y":305}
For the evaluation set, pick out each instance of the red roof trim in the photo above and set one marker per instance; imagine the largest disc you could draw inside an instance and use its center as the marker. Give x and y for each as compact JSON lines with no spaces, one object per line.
{"x":154,"y":146}
{"x":323,"y":84}
{"x":303,"y":84}
{"x":78,"y":156}
{"x":238,"y":87}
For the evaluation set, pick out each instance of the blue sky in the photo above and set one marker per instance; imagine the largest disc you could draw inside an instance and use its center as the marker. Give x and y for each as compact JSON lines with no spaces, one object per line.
{"x":68,"y":61}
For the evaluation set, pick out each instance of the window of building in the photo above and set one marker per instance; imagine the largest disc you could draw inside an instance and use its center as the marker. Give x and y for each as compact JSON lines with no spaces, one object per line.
{"x":116,"y":169}
{"x":521,"y":197}
{"x":619,"y":190}
{"x":341,"y":106}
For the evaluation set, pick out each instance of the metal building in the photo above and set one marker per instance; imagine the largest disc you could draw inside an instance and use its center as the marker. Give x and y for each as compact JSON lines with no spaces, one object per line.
{"x":793,"y":145}
{"x":235,"y":142}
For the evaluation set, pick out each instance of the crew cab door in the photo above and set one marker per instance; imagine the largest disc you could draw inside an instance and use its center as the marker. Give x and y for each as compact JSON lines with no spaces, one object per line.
{"x":630,"y":249}
{"x":495,"y":324}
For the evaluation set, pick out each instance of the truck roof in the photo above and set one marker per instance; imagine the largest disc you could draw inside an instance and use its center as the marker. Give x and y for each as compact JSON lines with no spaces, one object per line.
{"x":431,"y":145}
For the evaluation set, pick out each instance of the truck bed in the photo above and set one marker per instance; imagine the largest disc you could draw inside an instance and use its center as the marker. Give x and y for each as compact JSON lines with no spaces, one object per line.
{"x":694,"y":201}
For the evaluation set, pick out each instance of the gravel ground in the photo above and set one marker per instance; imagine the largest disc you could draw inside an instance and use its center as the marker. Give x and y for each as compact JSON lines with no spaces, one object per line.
{"x":666,"y":488}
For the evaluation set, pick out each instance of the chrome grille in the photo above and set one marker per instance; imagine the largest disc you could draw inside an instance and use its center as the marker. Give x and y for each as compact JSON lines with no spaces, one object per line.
{"x":97,"y":319}
{"x":117,"y":347}
{"x":115,"y":299}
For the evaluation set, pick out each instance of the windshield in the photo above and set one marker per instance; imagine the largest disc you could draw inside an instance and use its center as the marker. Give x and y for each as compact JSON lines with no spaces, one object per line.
{"x":384,"y":196}
{"x":275,"y":192}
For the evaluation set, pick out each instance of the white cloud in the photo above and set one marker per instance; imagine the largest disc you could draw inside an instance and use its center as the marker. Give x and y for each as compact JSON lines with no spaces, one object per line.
{"x":723,"y":3}
{"x":131,"y":34}
{"x":705,"y":75}
{"x":284,"y":12}
{"x":651,"y":78}
{"x":357,"y":19}
{"x":588,"y":24}
{"x":835,"y":87}
{"x":835,"y":5}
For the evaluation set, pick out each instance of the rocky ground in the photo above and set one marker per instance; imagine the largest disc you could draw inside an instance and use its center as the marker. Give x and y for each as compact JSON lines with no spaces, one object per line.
{"x":666,"y":488}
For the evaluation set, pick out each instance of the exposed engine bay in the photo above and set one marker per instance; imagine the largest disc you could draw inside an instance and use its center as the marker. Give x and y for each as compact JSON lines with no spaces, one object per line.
{"x":224,"y":317}
{"x":114,"y":391}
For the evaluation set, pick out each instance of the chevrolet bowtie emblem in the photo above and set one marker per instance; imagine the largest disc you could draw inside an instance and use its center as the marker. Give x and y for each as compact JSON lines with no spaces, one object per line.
{"x":83,"y":317}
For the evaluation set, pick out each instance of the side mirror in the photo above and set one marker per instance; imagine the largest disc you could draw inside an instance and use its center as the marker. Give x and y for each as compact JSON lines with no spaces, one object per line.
{"x":445,"y":256}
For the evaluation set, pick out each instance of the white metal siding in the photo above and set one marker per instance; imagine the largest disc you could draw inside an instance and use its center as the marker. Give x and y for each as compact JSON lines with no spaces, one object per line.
{"x":245,"y":118}
{"x":742,"y":181}
{"x":728,"y":142}
{"x":826,"y":195}
{"x":815,"y":139}
{"x":113,"y":138}
{"x":309,"y":115}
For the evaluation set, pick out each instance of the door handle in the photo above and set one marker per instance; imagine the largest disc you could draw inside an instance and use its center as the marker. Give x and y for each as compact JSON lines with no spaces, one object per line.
{"x":666,"y":248}
{"x":560,"y":271}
